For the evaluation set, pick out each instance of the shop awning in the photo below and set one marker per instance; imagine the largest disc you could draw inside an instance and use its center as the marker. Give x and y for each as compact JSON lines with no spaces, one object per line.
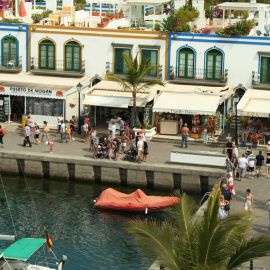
{"x":191,"y":99}
{"x":255,"y":103}
{"x":112,"y":101}
{"x":111,"y":94}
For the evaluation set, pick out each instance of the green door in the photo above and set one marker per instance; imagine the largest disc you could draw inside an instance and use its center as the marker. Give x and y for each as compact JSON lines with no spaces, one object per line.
{"x":214,"y":65}
{"x":186,"y":64}
{"x":47,"y":55}
{"x":265,"y":70}
{"x":72,"y":56}
{"x":119,"y":63}
{"x":10,"y":52}
{"x":152,"y":56}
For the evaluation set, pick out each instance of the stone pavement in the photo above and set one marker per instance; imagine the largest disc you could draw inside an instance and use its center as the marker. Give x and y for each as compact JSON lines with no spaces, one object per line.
{"x":160,"y":153}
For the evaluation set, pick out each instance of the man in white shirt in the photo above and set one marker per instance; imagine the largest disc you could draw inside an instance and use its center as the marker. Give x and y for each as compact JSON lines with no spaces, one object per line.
{"x":242,"y":164}
{"x":140,"y":149}
{"x":63,"y":132}
{"x":113,"y":130}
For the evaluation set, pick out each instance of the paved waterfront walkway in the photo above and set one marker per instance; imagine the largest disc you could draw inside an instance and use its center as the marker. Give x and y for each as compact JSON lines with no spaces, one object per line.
{"x":160,"y":153}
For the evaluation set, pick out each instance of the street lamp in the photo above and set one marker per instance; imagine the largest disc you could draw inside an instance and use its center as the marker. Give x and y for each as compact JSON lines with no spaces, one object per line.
{"x":79,"y":89}
{"x":236,"y":100}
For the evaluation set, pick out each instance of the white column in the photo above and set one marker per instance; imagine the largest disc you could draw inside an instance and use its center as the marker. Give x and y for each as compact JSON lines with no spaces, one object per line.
{"x":130,"y":19}
{"x":223,"y":18}
{"x":154,"y":20}
{"x":230,"y":18}
{"x":99,"y":8}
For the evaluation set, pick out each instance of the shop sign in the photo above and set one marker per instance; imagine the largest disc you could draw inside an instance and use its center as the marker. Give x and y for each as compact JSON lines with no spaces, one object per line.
{"x":182,"y":111}
{"x":32,"y":92}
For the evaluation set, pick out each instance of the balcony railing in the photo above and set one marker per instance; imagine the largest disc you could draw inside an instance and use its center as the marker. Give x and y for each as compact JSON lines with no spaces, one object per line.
{"x":259,"y":82}
{"x":8,"y":65}
{"x":198,"y":77}
{"x":157,"y":73}
{"x":57,"y":68}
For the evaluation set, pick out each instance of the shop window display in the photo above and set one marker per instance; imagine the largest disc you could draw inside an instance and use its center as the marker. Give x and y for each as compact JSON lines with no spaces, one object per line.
{"x":44,"y":106}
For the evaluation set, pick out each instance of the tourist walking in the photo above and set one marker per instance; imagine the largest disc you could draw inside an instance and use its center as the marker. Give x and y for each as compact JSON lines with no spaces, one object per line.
{"x":230,"y":183}
{"x":249,"y":201}
{"x":46,"y":130}
{"x":140,"y":145}
{"x":267,"y":162}
{"x":121,"y":123}
{"x":59,"y":120}
{"x":205,"y":131}
{"x":145,"y":150}
{"x":113,"y":130}
{"x":242,"y":165}
{"x":259,"y":163}
{"x":251,"y":163}
{"x":68,"y":131}
{"x":27,"y":134}
{"x":72,"y":127}
{"x":229,"y":148}
{"x":51,"y":146}
{"x":37,"y":134}
{"x":229,"y":166}
{"x":63,"y":132}
{"x":185,"y":134}
{"x":2,"y":134}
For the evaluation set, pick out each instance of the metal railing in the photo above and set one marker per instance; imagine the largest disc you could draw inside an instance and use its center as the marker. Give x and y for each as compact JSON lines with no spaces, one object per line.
{"x":58,"y":66}
{"x":157,"y":74}
{"x":198,"y":74}
{"x":9,"y":63}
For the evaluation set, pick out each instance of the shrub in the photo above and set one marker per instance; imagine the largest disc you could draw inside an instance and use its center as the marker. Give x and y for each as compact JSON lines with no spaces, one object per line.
{"x":178,"y":21}
{"x":7,"y":20}
{"x":157,"y":27}
{"x":241,"y":28}
{"x":37,"y":17}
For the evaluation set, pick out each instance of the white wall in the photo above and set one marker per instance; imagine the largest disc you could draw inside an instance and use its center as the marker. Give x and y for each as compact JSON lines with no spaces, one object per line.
{"x":240,"y":54}
{"x":97,"y":46}
{"x":17,"y":32}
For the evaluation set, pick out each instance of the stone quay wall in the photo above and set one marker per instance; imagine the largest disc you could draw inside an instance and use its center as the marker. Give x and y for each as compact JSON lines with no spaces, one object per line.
{"x":194,"y":179}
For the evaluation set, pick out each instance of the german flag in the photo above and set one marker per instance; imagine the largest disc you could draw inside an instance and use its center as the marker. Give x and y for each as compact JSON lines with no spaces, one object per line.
{"x":49,"y":241}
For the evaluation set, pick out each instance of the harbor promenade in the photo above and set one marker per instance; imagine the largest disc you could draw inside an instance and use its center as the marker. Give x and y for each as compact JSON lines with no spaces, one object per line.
{"x":160,"y":155}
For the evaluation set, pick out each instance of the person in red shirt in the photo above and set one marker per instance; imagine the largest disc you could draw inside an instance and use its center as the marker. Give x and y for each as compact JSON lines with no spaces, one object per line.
{"x":185,"y":134}
{"x":2,"y":133}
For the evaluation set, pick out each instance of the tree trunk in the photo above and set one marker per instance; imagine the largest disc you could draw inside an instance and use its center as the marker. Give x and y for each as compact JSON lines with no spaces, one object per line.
{"x":134,"y":116}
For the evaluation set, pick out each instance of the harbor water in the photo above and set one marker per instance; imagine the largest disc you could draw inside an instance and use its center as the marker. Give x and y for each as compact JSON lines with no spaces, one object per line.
{"x":90,"y":238}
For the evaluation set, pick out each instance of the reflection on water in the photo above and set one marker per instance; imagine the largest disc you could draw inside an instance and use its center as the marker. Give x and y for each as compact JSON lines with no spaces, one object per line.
{"x":90,"y":238}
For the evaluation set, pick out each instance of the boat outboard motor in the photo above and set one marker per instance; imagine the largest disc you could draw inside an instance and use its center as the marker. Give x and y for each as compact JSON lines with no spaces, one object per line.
{"x":62,"y":262}
{"x":5,"y":237}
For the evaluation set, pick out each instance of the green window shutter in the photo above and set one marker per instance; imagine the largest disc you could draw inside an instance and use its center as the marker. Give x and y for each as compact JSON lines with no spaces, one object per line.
{"x":265,"y":70}
{"x":214,"y":61}
{"x":47,"y":55}
{"x":119,"y":63}
{"x":72,"y":56}
{"x":152,"y":57}
{"x":10,"y":51}
{"x":186,"y":63}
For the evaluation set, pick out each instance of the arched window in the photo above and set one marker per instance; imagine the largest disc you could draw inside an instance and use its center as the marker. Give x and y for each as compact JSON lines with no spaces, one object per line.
{"x":72,"y":56}
{"x":186,"y":63}
{"x":46,"y":55}
{"x":214,"y":63}
{"x":10,"y":51}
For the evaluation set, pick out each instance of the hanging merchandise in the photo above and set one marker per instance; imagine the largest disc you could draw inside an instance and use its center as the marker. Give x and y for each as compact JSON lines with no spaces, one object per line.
{"x":196,"y":126}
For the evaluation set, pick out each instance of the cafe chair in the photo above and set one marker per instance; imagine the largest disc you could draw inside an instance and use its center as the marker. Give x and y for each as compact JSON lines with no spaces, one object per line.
{"x":261,"y":140}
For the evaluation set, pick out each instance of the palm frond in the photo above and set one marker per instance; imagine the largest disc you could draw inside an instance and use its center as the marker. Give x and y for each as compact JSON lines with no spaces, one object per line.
{"x":121,"y":80}
{"x":250,"y":249}
{"x":157,"y":238}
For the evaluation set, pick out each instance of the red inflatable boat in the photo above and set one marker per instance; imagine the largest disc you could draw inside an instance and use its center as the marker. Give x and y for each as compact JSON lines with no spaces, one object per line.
{"x":137,"y":201}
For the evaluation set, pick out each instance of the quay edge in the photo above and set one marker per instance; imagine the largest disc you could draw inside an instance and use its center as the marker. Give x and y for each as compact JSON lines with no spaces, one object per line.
{"x":193,"y":179}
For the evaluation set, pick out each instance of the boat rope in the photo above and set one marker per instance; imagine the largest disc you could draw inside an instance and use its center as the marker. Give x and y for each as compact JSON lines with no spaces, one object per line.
{"x":9,"y":209}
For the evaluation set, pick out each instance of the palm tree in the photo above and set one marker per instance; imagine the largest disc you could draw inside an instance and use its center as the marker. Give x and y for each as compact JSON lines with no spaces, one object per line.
{"x":187,"y":240}
{"x":134,"y":80}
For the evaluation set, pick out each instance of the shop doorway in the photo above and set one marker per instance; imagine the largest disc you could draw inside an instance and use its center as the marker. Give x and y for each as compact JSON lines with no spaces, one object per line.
{"x":17,"y":108}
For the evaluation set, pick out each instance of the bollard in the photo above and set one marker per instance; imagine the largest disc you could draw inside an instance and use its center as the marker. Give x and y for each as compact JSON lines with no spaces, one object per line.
{"x":251,"y":265}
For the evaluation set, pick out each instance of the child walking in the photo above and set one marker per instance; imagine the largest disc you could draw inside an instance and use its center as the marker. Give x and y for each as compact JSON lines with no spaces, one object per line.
{"x":51,"y":146}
